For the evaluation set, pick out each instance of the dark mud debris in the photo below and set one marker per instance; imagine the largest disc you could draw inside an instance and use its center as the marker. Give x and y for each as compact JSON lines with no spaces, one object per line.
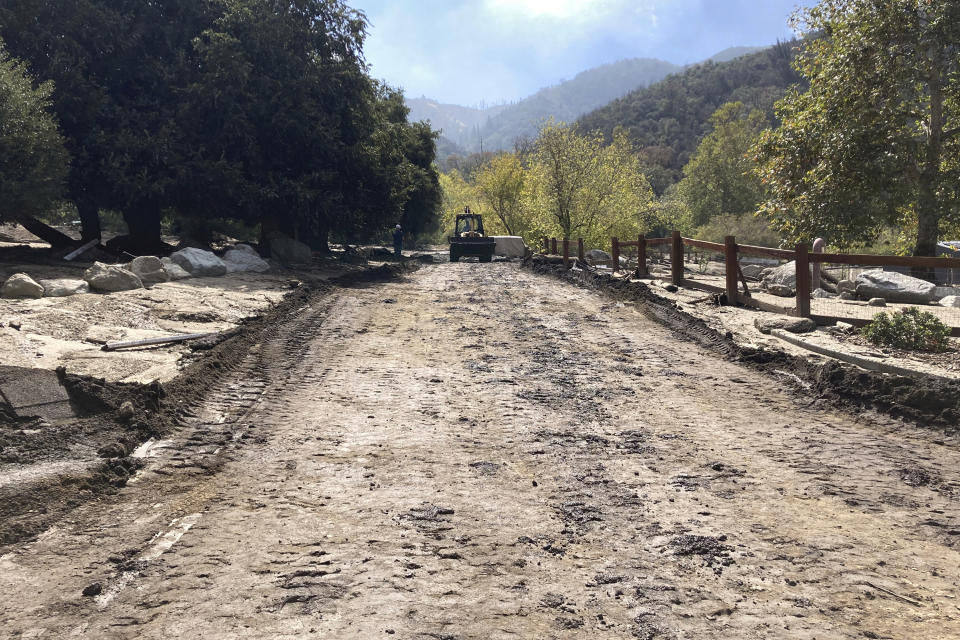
{"x":711,"y":549}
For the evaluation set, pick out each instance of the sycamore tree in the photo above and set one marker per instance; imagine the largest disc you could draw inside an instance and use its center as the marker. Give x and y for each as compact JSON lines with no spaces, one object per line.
{"x":877,"y":136}
{"x":719,"y":179}
{"x":581,"y":188}
{"x":500,"y":187}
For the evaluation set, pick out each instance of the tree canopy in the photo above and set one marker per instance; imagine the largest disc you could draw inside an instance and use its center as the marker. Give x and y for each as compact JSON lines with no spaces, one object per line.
{"x":719,"y":178}
{"x":257,"y":110}
{"x":876,"y":138}
{"x":33,"y":160}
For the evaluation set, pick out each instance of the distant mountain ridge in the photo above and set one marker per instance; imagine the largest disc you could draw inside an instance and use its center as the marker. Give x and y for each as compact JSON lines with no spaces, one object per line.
{"x":466,"y":129}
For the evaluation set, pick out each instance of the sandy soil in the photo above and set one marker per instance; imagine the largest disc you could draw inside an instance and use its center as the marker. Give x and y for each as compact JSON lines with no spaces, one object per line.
{"x":740,"y":322}
{"x":481,"y":452}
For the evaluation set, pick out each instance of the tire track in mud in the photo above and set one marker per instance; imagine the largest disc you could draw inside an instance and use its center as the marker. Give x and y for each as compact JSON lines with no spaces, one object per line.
{"x":479,"y":452}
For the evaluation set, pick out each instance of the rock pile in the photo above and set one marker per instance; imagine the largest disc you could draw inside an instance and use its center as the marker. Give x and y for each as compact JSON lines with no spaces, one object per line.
{"x":138,"y":273}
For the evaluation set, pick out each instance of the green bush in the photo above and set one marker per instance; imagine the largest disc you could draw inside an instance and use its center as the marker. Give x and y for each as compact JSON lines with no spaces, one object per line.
{"x":908,"y":329}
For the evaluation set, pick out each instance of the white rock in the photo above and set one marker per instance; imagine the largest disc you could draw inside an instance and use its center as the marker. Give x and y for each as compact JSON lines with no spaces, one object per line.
{"x":63,"y":287}
{"x":111,"y":277}
{"x":783,"y":276}
{"x":175,"y":271}
{"x":20,"y":285}
{"x":846,"y":285}
{"x":821,"y":294}
{"x":240,"y":260}
{"x":199,"y":263}
{"x":877,"y":302}
{"x":950,"y":301}
{"x":781,"y":290}
{"x":149,"y":269}
{"x":894,"y":287}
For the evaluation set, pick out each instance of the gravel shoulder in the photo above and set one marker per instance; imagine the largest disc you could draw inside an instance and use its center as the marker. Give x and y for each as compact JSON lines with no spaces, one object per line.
{"x":478,"y":451}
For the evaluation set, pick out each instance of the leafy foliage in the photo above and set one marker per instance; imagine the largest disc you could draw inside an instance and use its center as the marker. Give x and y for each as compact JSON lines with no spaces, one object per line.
{"x":567,"y":184}
{"x":910,"y":329}
{"x":256,"y":110}
{"x":33,"y":160}
{"x":878,"y":132}
{"x":719,"y":179}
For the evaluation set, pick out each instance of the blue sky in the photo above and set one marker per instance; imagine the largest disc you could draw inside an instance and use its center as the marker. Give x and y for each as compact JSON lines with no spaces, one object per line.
{"x":468,"y":51}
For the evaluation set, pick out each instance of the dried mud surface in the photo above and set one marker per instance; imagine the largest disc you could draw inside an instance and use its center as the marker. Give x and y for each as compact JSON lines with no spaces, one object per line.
{"x":929,"y":401}
{"x":479,"y":451}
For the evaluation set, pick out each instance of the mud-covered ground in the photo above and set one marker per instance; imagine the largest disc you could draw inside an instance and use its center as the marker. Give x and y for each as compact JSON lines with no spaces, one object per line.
{"x":479,"y":451}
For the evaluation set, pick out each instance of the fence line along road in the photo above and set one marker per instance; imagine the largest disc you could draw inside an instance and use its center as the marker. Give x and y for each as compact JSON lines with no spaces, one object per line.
{"x":734,"y":279}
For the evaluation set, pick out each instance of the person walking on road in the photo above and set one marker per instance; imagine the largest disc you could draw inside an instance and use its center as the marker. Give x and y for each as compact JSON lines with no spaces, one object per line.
{"x":398,"y":241}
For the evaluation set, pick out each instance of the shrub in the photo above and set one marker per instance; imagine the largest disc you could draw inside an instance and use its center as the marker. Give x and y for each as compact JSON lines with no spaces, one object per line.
{"x":908,"y":329}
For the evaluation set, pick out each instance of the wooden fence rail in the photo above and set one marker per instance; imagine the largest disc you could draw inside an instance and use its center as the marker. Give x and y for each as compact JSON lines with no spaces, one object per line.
{"x":731,"y":251}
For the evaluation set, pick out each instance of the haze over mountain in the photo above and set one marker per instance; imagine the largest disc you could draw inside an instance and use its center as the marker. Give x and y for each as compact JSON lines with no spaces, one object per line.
{"x":467,"y":129}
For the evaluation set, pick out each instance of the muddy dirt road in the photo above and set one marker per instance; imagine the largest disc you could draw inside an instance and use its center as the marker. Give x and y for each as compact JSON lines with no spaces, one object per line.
{"x":480,"y":452}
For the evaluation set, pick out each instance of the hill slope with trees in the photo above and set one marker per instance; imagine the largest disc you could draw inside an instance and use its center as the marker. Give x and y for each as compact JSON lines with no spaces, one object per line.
{"x":668,"y":119}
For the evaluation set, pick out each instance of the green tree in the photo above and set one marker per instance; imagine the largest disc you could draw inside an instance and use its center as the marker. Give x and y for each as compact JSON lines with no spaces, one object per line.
{"x":117,"y":66}
{"x":876,"y":136}
{"x":33,"y":160}
{"x":719,"y":178}
{"x":581,"y":188}
{"x":501,"y":188}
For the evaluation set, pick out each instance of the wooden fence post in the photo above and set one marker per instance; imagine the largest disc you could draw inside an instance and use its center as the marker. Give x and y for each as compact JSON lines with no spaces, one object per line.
{"x":566,"y":253}
{"x":546,"y":244}
{"x":615,"y":253}
{"x":581,"y":255}
{"x":731,"y":269}
{"x":676,"y":258}
{"x":641,"y":255}
{"x":803,"y":280}
{"x":553,"y":246}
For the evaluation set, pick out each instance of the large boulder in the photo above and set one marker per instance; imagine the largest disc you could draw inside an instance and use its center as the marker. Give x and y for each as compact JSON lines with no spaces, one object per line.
{"x":943,"y":292}
{"x":846,"y":285}
{"x":149,"y":269}
{"x":288,"y":251}
{"x":238,"y":259}
{"x":198,"y":262}
{"x":20,"y":285}
{"x":752,"y":271}
{"x":111,"y":277}
{"x":174,"y":271}
{"x":950,"y":301}
{"x":781,"y":290}
{"x":781,"y":279}
{"x":62,"y":287}
{"x":787,"y":323}
{"x":510,"y":246}
{"x":894,"y":287}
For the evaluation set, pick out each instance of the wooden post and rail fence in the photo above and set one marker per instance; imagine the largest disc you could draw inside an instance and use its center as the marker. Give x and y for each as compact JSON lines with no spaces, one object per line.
{"x":730,"y":249}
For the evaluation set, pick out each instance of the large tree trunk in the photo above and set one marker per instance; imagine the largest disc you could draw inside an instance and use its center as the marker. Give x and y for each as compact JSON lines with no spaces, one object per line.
{"x":89,"y":221}
{"x":143,"y":223}
{"x":317,"y":239}
{"x":44,"y":231}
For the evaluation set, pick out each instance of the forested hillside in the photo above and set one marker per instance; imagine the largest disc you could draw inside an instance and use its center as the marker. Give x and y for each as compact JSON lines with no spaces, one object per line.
{"x":668,"y":119}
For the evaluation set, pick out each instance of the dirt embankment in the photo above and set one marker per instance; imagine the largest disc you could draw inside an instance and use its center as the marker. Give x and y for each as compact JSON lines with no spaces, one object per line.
{"x":49,"y":467}
{"x":928,"y":401}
